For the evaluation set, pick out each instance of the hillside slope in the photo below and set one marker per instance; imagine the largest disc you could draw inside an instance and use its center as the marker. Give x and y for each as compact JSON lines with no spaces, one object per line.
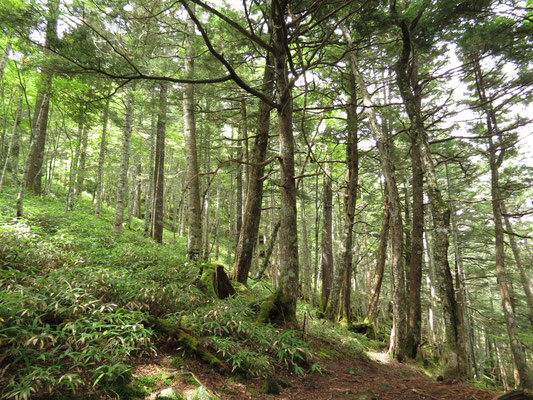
{"x":86,"y":315}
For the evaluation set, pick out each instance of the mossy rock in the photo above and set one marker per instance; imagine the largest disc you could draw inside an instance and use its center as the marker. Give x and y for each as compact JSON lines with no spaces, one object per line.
{"x":170,"y":394}
{"x":214,"y":281}
{"x":369,"y":395}
{"x":203,"y":394}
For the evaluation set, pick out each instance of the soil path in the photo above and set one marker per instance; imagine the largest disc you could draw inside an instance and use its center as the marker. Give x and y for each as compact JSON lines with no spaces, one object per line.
{"x":348,"y":379}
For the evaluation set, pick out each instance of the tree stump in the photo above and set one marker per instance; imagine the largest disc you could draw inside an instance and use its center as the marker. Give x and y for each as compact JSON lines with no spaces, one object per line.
{"x":214,"y":281}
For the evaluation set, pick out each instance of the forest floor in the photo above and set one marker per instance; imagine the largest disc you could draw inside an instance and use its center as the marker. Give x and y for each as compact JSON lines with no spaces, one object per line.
{"x":343,"y":378}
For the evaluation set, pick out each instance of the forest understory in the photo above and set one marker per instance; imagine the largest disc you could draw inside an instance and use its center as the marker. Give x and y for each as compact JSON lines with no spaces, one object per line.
{"x":77,"y":312}
{"x":211,"y":199}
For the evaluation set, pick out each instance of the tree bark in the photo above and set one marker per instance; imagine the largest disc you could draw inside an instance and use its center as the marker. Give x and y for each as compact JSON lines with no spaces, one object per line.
{"x":22,"y":187}
{"x":372,"y":311}
{"x":14,"y":142}
{"x":344,"y":272}
{"x":527,"y":282}
{"x":410,"y":93}
{"x":36,"y":152}
{"x":414,"y":318}
{"x":74,"y":167}
{"x":82,"y":161}
{"x":496,"y":157}
{"x":288,"y":230}
{"x":101,"y":160}
{"x":254,"y":194}
{"x":306,"y":254}
{"x":326,"y":263}
{"x":269,"y":250}
{"x":122,"y":183}
{"x":159,"y":168}
{"x":4,"y":58}
{"x":398,"y":340}
{"x":194,"y":240}
{"x":149,"y":203}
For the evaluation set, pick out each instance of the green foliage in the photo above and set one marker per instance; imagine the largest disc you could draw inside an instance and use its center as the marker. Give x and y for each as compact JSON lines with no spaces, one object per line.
{"x":75,"y":302}
{"x":248,"y":347}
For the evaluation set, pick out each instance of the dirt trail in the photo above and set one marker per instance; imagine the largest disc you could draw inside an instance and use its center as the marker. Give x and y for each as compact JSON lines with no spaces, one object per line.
{"x":347,"y":379}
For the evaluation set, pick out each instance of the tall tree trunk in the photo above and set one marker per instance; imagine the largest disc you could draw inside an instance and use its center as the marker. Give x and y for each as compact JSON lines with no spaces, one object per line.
{"x":381,"y":258}
{"x":149,"y":203}
{"x":22,"y":187}
{"x":462,"y":300}
{"x":254,"y":194}
{"x":194,"y":241}
{"x":344,"y":271}
{"x":496,"y":157}
{"x":101,"y":160}
{"x":326,"y":263}
{"x":14,"y":142}
{"x":159,"y":168}
{"x":288,"y":231}
{"x":306,"y":254}
{"x":82,"y":161}
{"x":238,"y":222}
{"x":269,"y":250}
{"x":207,"y":198}
{"x":4,"y":58}
{"x":36,"y":153}
{"x":407,"y":81}
{"x":398,"y":339}
{"x":74,"y":167}
{"x":527,"y":282}
{"x":414,"y":318}
{"x":122,"y":183}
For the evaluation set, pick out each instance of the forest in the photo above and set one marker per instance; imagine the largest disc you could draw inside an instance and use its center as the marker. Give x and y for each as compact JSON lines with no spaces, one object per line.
{"x":224,"y":199}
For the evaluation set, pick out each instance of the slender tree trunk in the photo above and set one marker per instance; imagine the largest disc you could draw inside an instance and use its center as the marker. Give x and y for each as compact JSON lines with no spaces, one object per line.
{"x":74,"y":167}
{"x":462,"y":300}
{"x":149,"y":204}
{"x":414,"y":320}
{"x":288,"y":231}
{"x":244,"y":144}
{"x":269,"y":250}
{"x":207,"y":199}
{"x":194,"y":241}
{"x":496,"y":157}
{"x":410,"y":91}
{"x":122,"y":183}
{"x":159,"y":169}
{"x":101,"y":160}
{"x":14,"y":142}
{"x":217,"y":224}
{"x":398,"y":340}
{"x":326,"y":264}
{"x":4,"y":58}
{"x":527,"y":282}
{"x":83,"y":157}
{"x":238,"y":205}
{"x":36,"y":153}
{"x":306,"y":254}
{"x":254,"y":194}
{"x":22,"y":188}
{"x":344,"y":272}
{"x":372,"y":312}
